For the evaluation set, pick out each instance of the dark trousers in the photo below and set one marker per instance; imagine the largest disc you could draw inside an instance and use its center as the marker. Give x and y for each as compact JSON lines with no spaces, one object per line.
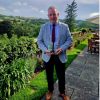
{"x":60,"y":71}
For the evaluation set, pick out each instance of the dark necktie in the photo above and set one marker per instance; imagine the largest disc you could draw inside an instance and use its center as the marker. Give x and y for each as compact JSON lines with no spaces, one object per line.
{"x":53,"y":35}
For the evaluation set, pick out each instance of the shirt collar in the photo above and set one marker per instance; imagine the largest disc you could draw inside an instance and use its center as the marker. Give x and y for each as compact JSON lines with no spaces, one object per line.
{"x":55,"y":23}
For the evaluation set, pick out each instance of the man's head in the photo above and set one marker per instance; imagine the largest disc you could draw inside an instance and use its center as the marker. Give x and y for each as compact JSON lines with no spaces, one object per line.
{"x":53,"y":14}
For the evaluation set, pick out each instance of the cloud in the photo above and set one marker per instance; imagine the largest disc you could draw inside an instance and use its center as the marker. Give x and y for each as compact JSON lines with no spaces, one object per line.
{"x":16,"y":11}
{"x":2,"y":8}
{"x":18,"y":3}
{"x":38,"y":8}
{"x":34,"y":8}
{"x":94,"y":14}
{"x":25,"y":4}
{"x":42,"y":11}
{"x":4,"y":11}
{"x":88,"y":1}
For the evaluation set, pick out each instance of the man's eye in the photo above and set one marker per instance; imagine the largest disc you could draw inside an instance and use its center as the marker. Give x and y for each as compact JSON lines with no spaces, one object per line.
{"x":52,"y":14}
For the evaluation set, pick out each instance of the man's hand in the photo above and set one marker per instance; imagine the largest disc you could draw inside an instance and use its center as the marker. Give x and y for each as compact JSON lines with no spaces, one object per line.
{"x":59,"y":51}
{"x":49,"y":53}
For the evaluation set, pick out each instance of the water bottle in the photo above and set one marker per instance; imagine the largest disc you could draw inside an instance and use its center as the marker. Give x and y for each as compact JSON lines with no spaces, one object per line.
{"x":50,"y":47}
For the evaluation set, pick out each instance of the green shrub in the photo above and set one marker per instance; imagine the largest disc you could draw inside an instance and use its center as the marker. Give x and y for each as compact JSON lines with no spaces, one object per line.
{"x":15,"y":69}
{"x":14,"y":76}
{"x":13,"y":48}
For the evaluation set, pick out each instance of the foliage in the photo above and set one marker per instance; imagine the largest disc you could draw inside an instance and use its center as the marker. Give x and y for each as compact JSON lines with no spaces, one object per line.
{"x":19,"y":28}
{"x":13,"y":48}
{"x":84,"y":31}
{"x":30,"y":26}
{"x":14,"y":76}
{"x":87,"y":25}
{"x":6,"y":27}
{"x":71,"y":14}
{"x":16,"y":68}
{"x":26,"y":29}
{"x":79,"y":37}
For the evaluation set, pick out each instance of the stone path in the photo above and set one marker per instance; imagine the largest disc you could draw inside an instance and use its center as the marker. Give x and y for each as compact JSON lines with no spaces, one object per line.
{"x":82,"y":78}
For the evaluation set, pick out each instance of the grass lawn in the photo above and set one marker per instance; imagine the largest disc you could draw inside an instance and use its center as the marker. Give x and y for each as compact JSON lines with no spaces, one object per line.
{"x":38,"y":85}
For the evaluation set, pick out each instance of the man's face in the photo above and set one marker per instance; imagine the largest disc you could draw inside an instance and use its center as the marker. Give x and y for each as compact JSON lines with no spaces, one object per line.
{"x":53,"y":15}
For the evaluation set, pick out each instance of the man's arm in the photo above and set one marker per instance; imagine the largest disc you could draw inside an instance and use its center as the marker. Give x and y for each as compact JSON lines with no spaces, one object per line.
{"x":68,"y":42}
{"x":40,"y":41}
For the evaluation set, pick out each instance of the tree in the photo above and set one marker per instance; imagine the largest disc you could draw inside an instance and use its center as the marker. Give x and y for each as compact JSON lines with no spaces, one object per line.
{"x":71,"y":15}
{"x":6,"y":27}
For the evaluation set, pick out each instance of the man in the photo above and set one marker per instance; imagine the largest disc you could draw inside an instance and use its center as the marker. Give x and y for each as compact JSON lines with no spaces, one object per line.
{"x":54,"y":39}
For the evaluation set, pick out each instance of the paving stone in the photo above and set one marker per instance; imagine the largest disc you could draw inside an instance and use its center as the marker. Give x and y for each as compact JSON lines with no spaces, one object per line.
{"x":81,"y":95}
{"x":75,"y":65}
{"x":71,"y":80}
{"x":90,"y":75}
{"x":79,"y":61}
{"x":87,"y":86}
{"x":91,"y":67}
{"x":93,"y":59}
{"x":69,"y":90}
{"x":74,"y":71}
{"x":93,"y":63}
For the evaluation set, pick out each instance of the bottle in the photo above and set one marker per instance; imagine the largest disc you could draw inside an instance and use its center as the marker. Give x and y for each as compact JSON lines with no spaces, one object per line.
{"x":50,"y":47}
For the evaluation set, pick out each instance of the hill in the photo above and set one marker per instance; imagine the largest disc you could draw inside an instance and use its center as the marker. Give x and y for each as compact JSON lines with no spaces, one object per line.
{"x":80,"y":23}
{"x":86,"y":24}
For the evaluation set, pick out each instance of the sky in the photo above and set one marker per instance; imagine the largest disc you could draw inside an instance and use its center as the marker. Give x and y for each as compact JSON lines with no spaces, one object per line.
{"x":38,"y":8}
